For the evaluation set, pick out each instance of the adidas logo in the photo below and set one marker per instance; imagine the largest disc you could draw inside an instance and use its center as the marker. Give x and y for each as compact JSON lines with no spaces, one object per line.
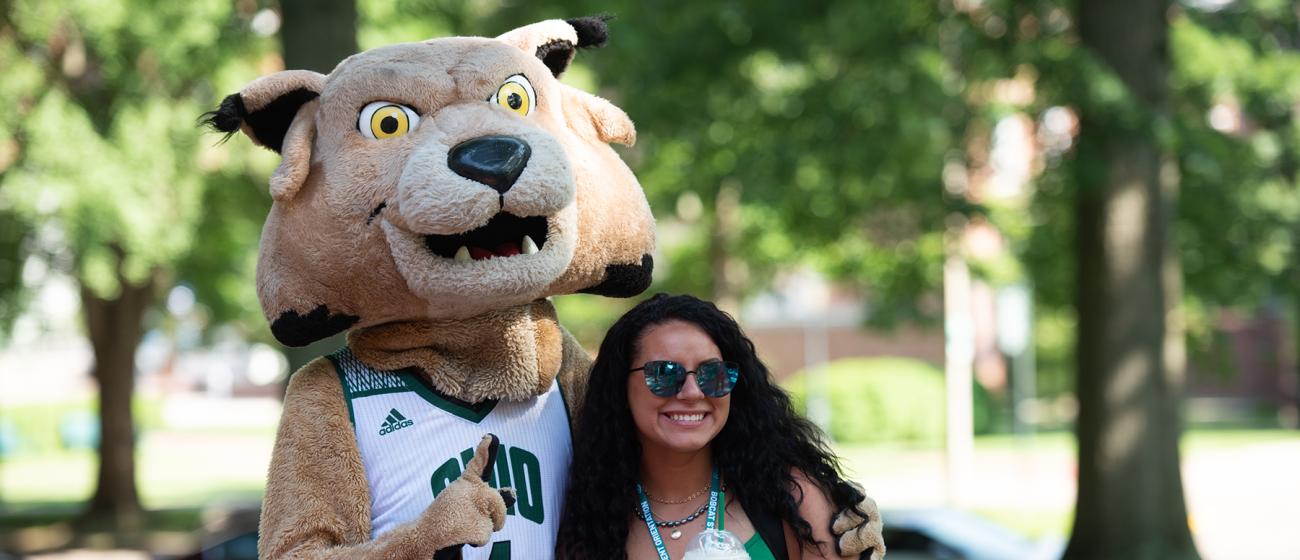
{"x":394,"y":422}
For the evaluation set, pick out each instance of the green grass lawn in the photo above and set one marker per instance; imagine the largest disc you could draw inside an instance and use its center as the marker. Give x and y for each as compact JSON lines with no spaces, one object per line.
{"x":175,"y":470}
{"x":182,"y":477}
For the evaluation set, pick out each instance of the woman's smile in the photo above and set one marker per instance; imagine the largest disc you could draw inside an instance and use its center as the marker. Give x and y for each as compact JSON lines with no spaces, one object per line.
{"x":685,"y":419}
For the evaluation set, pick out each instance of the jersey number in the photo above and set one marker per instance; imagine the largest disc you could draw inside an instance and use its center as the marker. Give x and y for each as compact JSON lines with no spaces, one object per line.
{"x":500,"y":551}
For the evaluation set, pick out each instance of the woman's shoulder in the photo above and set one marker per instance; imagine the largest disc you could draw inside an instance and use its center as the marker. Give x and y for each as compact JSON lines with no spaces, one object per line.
{"x":815,"y":507}
{"x":807,"y":491}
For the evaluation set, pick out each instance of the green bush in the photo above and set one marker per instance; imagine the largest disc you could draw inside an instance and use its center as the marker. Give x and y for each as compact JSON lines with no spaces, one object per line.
{"x":886,"y":400}
{"x":58,"y":426}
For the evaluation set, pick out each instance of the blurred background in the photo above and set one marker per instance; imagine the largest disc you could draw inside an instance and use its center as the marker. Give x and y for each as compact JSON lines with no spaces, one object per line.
{"x":1034,"y":265}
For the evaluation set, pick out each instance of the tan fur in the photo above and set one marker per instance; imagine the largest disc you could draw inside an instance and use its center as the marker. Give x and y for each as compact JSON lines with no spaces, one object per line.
{"x":296,"y":153}
{"x":315,"y":463}
{"x":262,"y":91}
{"x":596,"y":118}
{"x":529,"y":37}
{"x":596,"y":212}
{"x":520,"y":345}
{"x":857,"y":534}
{"x":573,"y":375}
{"x":317,"y":502}
{"x":597,"y":122}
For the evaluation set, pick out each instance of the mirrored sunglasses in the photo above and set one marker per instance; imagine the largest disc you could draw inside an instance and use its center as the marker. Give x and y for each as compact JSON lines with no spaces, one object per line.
{"x":665,"y":378}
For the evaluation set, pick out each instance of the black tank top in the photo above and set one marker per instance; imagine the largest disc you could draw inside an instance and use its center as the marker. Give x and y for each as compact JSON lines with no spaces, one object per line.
{"x":768,"y":526}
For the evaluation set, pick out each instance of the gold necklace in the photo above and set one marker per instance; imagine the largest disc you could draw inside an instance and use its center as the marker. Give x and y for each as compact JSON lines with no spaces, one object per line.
{"x":694,"y":495}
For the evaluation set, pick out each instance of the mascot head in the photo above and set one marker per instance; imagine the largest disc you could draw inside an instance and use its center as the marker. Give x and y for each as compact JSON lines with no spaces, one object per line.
{"x":441,"y":180}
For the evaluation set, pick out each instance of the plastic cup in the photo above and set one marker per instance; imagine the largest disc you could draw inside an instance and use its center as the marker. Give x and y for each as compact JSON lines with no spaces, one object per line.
{"x":715,"y":545}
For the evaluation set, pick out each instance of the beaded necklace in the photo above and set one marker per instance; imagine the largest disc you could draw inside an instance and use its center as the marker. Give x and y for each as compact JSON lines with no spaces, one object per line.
{"x":653,"y":524}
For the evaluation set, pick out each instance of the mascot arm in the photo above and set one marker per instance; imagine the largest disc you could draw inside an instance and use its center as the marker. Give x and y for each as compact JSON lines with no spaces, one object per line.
{"x":575,"y":367}
{"x":858,"y":530}
{"x":317,"y":501}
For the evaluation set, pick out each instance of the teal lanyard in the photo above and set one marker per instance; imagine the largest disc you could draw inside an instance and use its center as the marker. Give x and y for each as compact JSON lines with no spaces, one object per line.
{"x":710,"y":521}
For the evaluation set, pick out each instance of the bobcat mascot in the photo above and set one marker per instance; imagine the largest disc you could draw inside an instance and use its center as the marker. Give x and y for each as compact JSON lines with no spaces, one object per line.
{"x":430,"y":198}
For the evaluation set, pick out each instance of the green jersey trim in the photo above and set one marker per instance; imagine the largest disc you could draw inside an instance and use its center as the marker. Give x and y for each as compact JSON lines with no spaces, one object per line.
{"x":373,"y":392}
{"x":343,"y":382}
{"x":360,"y":381}
{"x":473,"y":412}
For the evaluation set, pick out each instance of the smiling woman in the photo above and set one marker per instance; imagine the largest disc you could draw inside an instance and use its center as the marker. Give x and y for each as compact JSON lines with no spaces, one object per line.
{"x":682,"y":430}
{"x":678,"y":418}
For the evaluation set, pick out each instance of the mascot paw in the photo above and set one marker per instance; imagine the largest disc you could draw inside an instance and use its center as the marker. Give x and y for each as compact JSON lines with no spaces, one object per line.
{"x":468,"y":511}
{"x":859,"y":530}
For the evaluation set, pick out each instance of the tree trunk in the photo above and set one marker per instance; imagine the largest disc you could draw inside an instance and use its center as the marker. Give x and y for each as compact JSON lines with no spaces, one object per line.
{"x":317,"y":34}
{"x":1129,"y":366}
{"x":116,"y":326}
{"x":1295,"y":334}
{"x":722,"y":244}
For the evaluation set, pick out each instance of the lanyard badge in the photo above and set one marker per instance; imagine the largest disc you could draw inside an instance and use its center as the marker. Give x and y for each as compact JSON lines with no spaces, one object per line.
{"x":710,"y":521}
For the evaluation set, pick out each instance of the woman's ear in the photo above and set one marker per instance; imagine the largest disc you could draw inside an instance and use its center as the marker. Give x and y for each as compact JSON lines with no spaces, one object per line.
{"x":555,"y":41}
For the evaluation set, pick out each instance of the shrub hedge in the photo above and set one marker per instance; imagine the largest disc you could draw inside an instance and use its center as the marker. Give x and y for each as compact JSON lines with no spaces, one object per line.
{"x":887,"y":399}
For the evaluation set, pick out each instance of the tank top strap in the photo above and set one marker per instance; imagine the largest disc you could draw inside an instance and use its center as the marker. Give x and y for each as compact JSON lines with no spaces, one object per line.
{"x":768,"y":527}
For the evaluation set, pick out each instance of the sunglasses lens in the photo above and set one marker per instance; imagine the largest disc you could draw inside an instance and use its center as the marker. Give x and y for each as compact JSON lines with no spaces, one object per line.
{"x":716,"y":379}
{"x":664,"y":378}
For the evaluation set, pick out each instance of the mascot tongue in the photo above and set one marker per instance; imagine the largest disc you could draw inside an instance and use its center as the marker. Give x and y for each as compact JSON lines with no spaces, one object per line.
{"x":503,"y":250}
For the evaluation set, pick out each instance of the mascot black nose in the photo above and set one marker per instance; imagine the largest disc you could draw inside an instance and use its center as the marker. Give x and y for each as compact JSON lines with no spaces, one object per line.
{"x":495,"y":161}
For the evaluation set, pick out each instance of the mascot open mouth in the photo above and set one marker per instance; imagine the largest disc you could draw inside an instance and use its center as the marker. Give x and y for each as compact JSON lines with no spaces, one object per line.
{"x":505,"y":235}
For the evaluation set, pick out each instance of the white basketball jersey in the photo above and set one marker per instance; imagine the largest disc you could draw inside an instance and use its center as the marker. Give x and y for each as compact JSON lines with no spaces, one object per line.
{"x":415,"y":441}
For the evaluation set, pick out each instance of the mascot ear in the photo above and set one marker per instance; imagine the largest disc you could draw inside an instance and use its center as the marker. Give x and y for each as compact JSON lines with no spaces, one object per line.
{"x":265,"y":108}
{"x":587,"y":112}
{"x":295,"y":153}
{"x":555,"y":41}
{"x":265,"y":111}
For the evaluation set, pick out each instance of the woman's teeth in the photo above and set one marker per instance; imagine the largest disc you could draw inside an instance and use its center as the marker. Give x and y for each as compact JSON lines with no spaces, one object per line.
{"x":686,"y":417}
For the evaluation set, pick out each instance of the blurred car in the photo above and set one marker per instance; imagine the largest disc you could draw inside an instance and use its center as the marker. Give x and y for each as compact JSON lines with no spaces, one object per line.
{"x":948,"y":534}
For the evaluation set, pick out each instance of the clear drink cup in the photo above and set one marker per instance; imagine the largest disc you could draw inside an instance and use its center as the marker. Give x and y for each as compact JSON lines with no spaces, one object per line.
{"x":715,"y":545}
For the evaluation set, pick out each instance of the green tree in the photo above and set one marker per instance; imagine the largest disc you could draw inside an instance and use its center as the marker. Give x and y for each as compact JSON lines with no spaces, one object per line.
{"x":103,"y":101}
{"x":1237,"y":82}
{"x":312,"y":35}
{"x":782,"y":133}
{"x":14,"y":231}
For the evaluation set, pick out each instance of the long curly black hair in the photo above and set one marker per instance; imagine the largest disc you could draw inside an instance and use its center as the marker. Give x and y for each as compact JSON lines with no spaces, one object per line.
{"x":758,"y":449}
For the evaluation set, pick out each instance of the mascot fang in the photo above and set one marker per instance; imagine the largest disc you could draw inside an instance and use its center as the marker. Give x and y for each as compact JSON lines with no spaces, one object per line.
{"x":431,"y":196}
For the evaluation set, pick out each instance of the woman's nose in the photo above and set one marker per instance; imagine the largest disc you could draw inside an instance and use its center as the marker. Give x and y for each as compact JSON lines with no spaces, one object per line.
{"x":690,"y":389}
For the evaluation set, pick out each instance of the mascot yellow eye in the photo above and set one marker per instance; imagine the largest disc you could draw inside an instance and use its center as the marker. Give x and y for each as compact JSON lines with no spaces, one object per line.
{"x":385,"y":119}
{"x":516,"y":94}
